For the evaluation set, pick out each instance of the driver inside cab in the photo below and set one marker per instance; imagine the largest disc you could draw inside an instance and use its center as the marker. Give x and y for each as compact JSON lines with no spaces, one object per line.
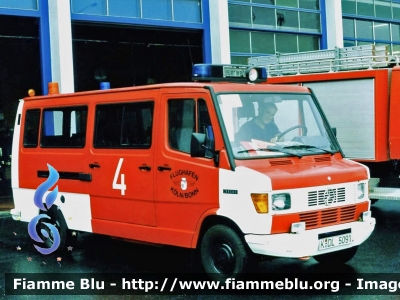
{"x":262,"y":127}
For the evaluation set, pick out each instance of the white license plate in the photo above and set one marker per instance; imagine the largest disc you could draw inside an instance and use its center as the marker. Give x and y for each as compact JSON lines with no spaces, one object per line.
{"x":335,"y":241}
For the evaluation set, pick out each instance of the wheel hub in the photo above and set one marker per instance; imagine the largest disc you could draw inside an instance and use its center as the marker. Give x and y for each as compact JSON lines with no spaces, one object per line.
{"x":224,"y":259}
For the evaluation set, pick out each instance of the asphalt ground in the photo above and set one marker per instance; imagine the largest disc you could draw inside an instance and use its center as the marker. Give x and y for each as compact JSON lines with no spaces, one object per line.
{"x":96,"y":254}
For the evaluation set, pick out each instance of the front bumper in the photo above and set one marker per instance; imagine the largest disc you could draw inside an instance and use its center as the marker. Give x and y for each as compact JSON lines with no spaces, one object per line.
{"x":306,"y":243}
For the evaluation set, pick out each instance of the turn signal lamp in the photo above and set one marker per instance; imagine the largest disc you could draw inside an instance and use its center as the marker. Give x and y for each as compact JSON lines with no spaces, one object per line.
{"x":234,"y":73}
{"x":260,"y":202}
{"x":31,"y":92}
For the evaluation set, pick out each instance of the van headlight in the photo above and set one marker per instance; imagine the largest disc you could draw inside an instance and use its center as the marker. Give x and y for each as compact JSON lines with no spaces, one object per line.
{"x":281,"y":201}
{"x":360,"y":190}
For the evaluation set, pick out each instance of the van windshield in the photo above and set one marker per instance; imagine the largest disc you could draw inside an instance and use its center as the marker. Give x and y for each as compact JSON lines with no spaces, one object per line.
{"x":270,"y":125}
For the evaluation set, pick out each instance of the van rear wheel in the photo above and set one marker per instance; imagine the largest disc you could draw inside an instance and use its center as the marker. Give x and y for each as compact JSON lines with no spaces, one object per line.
{"x":338,"y":257}
{"x":68,"y":238}
{"x":223,"y":253}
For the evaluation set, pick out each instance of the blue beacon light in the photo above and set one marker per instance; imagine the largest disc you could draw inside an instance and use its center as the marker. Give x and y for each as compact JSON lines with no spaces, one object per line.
{"x":105,"y":85}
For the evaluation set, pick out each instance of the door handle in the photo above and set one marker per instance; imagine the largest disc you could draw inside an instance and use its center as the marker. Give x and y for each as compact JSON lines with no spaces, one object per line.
{"x":144,"y":168}
{"x":164,"y":168}
{"x":94,"y":165}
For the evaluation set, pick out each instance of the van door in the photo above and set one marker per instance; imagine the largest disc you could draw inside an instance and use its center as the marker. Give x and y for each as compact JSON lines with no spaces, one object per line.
{"x":60,"y":142}
{"x":121,"y":161}
{"x":186,"y":186}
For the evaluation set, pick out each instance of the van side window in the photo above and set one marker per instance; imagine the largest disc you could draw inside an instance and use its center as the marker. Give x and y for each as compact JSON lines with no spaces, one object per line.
{"x":31,"y":129}
{"x":64,"y":127}
{"x":182,"y":122}
{"x":124,"y":125}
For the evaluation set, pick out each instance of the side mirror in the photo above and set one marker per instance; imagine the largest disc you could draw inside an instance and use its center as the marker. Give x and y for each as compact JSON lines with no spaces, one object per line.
{"x":201,"y":146}
{"x":197,"y":147}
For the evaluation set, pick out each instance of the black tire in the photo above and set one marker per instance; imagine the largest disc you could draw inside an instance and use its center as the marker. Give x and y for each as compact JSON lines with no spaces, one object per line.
{"x":338,"y":257}
{"x":68,"y":238}
{"x":223,"y":253}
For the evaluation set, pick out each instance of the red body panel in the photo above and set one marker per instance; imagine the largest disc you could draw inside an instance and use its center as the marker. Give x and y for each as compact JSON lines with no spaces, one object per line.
{"x":292,"y":173}
{"x":394,"y":119}
{"x":153,"y":208}
{"x":173,"y":206}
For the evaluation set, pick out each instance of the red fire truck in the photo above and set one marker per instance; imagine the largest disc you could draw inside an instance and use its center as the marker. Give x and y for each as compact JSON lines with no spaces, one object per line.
{"x":357,"y":89}
{"x":168,"y":164}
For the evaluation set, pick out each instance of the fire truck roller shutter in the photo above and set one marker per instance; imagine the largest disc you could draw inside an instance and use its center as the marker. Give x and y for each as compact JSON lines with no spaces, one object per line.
{"x":355,"y":124}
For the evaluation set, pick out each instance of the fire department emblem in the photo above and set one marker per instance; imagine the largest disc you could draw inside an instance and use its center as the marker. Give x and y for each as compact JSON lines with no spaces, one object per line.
{"x":184,"y":183}
{"x":330,"y":197}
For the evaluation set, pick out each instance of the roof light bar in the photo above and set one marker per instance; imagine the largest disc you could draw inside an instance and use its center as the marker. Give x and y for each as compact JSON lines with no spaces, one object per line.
{"x":235,"y":73}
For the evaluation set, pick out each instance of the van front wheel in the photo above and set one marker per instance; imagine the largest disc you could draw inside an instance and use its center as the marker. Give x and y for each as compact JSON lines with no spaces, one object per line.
{"x":223,"y":253}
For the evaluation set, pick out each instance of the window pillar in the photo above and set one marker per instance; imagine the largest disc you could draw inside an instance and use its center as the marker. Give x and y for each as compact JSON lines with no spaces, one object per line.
{"x":334,"y":28}
{"x":219,"y":32}
{"x":62,"y":70}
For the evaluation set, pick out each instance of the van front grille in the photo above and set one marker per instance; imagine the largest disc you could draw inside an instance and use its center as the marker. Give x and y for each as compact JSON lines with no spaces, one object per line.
{"x":327,"y":196}
{"x":328,"y":216}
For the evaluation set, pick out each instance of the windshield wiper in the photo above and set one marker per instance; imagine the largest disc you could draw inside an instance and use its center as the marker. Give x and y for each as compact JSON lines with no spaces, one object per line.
{"x":252,"y":150}
{"x":272,"y":149}
{"x":307,"y":147}
{"x":282,"y":149}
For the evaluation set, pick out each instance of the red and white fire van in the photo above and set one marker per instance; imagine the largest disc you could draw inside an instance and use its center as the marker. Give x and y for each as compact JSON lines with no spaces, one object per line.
{"x":165,"y":164}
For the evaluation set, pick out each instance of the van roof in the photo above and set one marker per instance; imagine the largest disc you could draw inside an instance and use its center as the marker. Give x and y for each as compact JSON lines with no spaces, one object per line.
{"x":217,"y":87}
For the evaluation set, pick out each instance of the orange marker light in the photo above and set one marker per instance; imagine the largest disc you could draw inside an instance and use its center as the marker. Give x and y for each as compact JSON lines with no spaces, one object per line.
{"x":53,"y":88}
{"x":260,"y":202}
{"x":31,"y":92}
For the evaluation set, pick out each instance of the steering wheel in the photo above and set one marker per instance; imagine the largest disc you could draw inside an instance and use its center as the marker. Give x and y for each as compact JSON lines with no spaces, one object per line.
{"x":280,"y":135}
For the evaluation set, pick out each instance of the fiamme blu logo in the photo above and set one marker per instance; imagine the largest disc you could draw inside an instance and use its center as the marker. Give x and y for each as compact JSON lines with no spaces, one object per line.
{"x":51,"y":235}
